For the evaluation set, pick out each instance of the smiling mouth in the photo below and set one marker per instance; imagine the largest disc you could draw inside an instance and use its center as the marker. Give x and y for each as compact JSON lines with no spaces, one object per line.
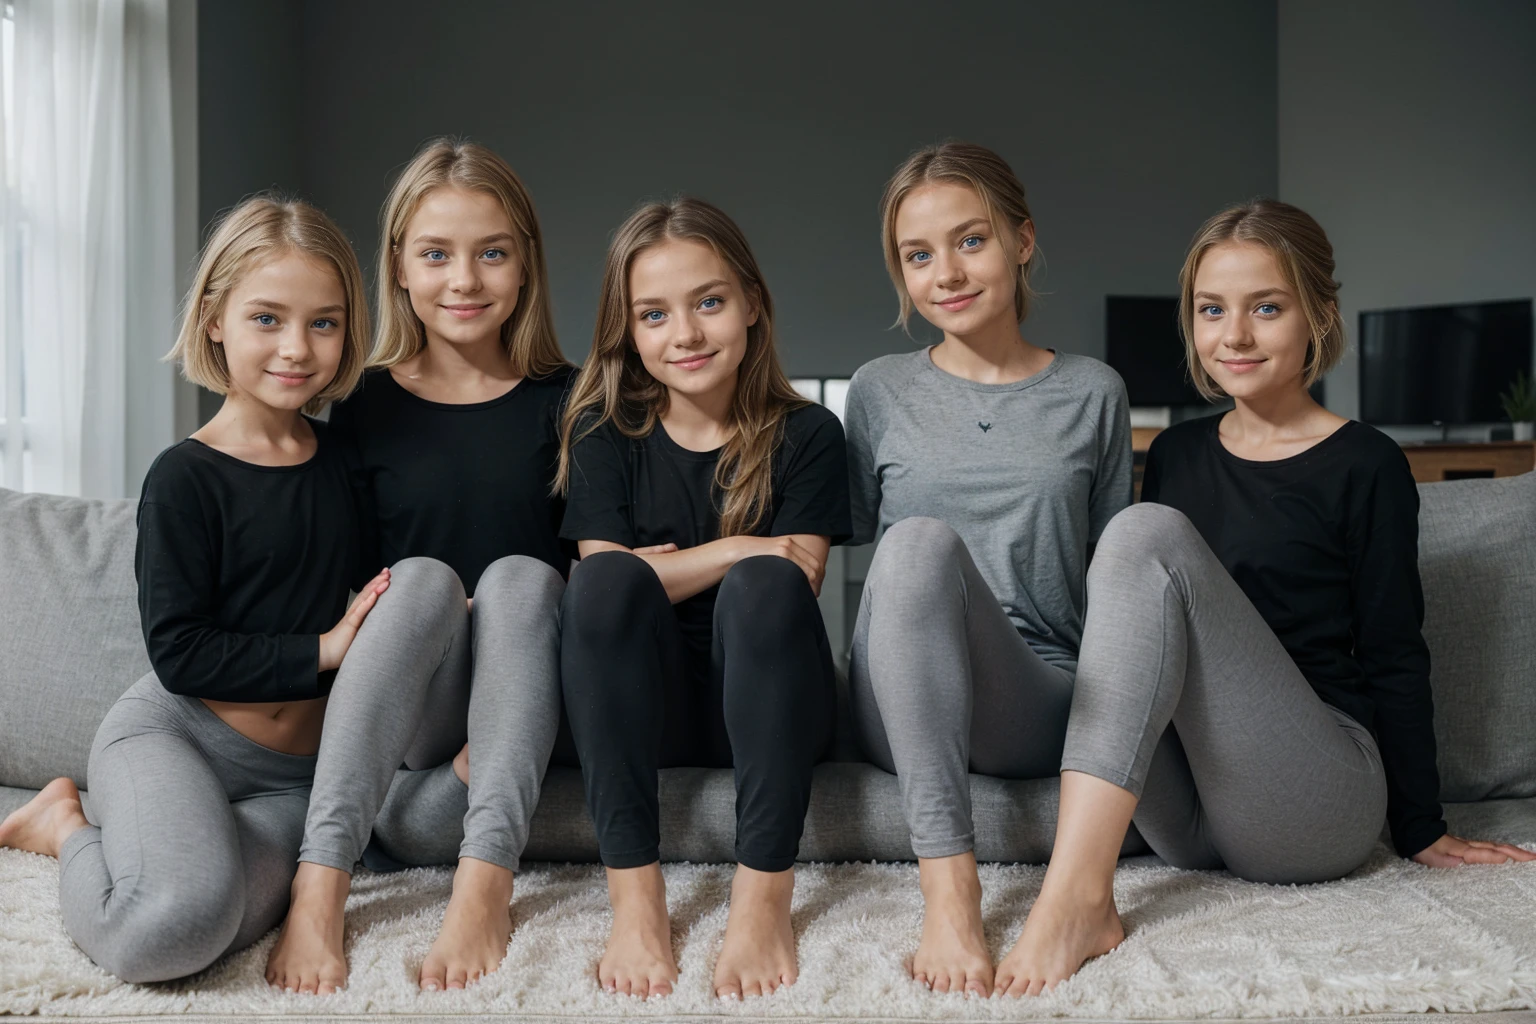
{"x":693,"y":362}
{"x":1241,"y":365}
{"x":291,"y":380}
{"x":959,"y":302}
{"x":467,"y":312}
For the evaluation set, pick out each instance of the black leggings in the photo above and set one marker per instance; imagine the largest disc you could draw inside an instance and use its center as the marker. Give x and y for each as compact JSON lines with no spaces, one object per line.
{"x":639,"y":698}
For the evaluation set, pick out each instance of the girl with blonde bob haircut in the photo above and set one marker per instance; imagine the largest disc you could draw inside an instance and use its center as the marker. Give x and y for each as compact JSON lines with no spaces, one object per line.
{"x":1254,"y":687}
{"x":456,"y":434}
{"x":199,"y":774}
{"x":985,"y":466}
{"x":703,"y":495}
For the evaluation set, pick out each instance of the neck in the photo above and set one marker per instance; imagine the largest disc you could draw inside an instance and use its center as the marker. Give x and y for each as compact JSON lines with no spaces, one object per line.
{"x":703,"y":419}
{"x":995,"y":354}
{"x":1272,"y":414}
{"x":244,"y":421}
{"x":468,"y":361}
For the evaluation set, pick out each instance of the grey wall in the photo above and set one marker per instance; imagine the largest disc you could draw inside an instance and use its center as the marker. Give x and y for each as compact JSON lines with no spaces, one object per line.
{"x":1129,"y":123}
{"x":1408,"y":129}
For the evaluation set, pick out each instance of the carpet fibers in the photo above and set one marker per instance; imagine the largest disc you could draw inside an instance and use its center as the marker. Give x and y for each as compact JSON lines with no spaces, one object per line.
{"x":1391,"y":938}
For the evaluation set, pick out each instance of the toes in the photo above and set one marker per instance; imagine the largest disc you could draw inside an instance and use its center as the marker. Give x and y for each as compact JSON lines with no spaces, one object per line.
{"x":456,"y":977}
{"x":434,"y":975}
{"x":729,"y":990}
{"x":941,"y":981}
{"x":752,"y":988}
{"x":660,"y":987}
{"x":1036,"y":986}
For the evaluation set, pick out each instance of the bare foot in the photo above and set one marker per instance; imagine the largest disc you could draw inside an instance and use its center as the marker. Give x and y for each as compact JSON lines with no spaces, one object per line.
{"x":638,"y":960}
{"x":759,"y":951}
{"x":476,"y":929}
{"x":45,"y":821}
{"x":308,"y":956}
{"x":1065,"y":930}
{"x":952,"y":956}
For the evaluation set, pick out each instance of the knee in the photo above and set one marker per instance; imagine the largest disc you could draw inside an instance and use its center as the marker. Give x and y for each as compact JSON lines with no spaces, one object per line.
{"x":1145,"y":532}
{"x":175,"y":936}
{"x":607,"y":588}
{"x":518,"y":581}
{"x":919,"y":549}
{"x":769,"y":593}
{"x":424,"y":581}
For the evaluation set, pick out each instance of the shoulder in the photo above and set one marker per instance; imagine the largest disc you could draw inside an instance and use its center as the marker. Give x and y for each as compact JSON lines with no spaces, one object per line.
{"x":1093,"y":376}
{"x":374,"y":388}
{"x":1372,"y":455}
{"x":174,"y":479}
{"x":1184,"y":437}
{"x":808,"y":420}
{"x":556,"y":384}
{"x":888,"y":374}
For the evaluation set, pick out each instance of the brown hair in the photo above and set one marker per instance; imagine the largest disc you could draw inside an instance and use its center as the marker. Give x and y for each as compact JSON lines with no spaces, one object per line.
{"x":529,"y":333}
{"x":1305,"y":257}
{"x":259,"y":229}
{"x":983,"y":172}
{"x":615,"y":386}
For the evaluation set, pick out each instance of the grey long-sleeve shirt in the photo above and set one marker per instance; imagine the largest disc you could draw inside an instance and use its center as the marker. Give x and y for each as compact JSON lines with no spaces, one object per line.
{"x":1028,"y":474}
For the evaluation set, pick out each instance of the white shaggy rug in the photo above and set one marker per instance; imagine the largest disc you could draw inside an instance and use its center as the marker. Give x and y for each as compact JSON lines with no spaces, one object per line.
{"x":1392,"y":938}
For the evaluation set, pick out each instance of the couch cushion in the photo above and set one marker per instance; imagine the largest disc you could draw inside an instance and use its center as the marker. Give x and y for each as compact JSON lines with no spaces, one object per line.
{"x":71,"y":641}
{"x":1477,"y":557}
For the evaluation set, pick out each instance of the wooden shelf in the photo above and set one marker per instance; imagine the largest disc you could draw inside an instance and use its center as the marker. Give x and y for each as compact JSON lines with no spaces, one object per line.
{"x":1433,"y":462}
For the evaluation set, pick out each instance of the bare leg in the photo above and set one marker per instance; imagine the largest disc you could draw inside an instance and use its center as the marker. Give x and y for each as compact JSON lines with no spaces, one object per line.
{"x":1074,"y":918}
{"x":478,"y":923}
{"x":638,"y":960}
{"x":308,"y":956}
{"x":952,"y":956}
{"x":759,"y":951}
{"x":42,"y":825}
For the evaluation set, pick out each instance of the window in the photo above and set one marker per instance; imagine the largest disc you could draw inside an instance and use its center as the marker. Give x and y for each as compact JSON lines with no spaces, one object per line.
{"x":15,"y":458}
{"x":831,"y":392}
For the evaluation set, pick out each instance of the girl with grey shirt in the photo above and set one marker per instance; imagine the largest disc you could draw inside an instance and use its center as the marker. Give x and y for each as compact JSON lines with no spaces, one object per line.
{"x":989,"y":465}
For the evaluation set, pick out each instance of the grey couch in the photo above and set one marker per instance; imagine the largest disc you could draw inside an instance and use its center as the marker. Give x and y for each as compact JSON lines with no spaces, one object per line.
{"x":70,"y":644}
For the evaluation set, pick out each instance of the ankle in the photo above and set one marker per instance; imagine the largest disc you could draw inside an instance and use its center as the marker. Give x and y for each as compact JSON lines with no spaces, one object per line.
{"x":762,"y":887}
{"x":1093,"y":890}
{"x":949,"y":880}
{"x":482,"y":879}
{"x":318,"y":887}
{"x":637,"y":890}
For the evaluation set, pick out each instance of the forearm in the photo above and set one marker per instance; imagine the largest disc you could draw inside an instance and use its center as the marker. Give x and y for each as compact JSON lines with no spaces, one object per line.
{"x":693,"y":570}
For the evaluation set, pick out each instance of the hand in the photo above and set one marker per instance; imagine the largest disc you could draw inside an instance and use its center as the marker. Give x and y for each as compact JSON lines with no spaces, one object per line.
{"x":656,"y":549}
{"x":333,"y":645}
{"x":1448,"y":852}
{"x":785,"y":547}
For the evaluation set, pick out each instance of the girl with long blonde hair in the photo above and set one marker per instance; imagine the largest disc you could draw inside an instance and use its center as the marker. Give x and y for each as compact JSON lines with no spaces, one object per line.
{"x":704,"y":495}
{"x":455,"y":429}
{"x":199,"y":774}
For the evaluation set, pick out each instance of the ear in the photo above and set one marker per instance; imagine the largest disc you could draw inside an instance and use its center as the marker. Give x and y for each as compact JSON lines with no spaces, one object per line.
{"x":1026,"y":241}
{"x":399,"y":266}
{"x":216,"y":330}
{"x":754,"y":307}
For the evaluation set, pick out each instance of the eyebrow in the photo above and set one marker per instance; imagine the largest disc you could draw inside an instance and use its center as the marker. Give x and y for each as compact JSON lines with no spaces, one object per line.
{"x":1254,"y":295}
{"x":281,"y":308}
{"x":707,"y":286}
{"x":500,"y":236}
{"x":952,"y":232}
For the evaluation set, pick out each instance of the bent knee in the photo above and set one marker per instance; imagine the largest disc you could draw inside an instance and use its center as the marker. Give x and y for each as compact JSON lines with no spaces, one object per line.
{"x":425,"y":579}
{"x":1147,"y":530}
{"x":519,"y":576}
{"x":606,"y":585}
{"x":181,"y":937}
{"x":769,"y":593}
{"x":918,"y":547}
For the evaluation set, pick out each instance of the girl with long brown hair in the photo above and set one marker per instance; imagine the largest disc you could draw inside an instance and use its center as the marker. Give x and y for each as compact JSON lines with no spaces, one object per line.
{"x":455,"y":429}
{"x":683,"y":431}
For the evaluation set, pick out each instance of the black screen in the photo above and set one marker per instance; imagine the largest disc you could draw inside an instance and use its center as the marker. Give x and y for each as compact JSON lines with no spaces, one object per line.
{"x":1442,"y":364}
{"x":1142,"y":343}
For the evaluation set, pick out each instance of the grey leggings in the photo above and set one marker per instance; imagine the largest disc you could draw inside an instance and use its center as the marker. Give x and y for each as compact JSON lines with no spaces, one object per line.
{"x":943,"y":684}
{"x":1257,"y":774}
{"x":195,"y":841}
{"x":424,"y":675}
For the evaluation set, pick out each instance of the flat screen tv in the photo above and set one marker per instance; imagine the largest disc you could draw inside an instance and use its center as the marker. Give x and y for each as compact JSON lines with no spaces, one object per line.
{"x":1442,"y":364}
{"x":1142,"y":343}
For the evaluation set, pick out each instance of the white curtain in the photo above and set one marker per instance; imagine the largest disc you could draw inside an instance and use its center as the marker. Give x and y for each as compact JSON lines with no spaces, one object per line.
{"x":87,"y":224}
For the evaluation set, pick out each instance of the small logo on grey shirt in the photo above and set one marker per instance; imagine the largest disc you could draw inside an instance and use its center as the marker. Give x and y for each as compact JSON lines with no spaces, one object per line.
{"x":984,"y":426}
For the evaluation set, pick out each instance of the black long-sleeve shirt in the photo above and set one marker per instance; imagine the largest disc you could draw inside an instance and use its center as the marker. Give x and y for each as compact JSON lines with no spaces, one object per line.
{"x":1325,"y":545}
{"x":464,"y":484}
{"x":241,"y":568}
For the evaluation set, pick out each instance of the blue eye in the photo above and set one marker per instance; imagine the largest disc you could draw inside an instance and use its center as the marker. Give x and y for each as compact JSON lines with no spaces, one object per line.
{"x":435,"y":255}
{"x":493,"y":254}
{"x":918,"y":256}
{"x":1268,"y":309}
{"x":652,"y":316}
{"x":324,"y":323}
{"x":965,"y":243}
{"x":265,"y":319}
{"x":1210,"y":310}
{"x":713,"y":302}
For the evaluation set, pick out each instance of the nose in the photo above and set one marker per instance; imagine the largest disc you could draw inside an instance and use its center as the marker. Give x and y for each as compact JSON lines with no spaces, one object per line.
{"x":294,"y":345}
{"x":1235,"y":333}
{"x":464,"y":277}
{"x":949,"y":271}
{"x":690,"y":331}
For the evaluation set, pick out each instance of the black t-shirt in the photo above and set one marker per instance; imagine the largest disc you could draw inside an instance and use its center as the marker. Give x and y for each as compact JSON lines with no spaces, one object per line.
{"x":651,"y":490}
{"x":465,"y":484}
{"x":1325,"y":545}
{"x":241,"y":568}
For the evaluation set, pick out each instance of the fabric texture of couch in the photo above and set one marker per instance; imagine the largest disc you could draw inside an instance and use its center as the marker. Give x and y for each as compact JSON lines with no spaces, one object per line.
{"x":70,"y":644}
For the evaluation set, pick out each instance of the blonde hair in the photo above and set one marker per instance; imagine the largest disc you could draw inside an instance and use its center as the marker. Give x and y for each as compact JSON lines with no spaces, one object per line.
{"x":1305,"y":257}
{"x":983,"y":172}
{"x":528,"y":334}
{"x":259,"y":229}
{"x":615,"y":386}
